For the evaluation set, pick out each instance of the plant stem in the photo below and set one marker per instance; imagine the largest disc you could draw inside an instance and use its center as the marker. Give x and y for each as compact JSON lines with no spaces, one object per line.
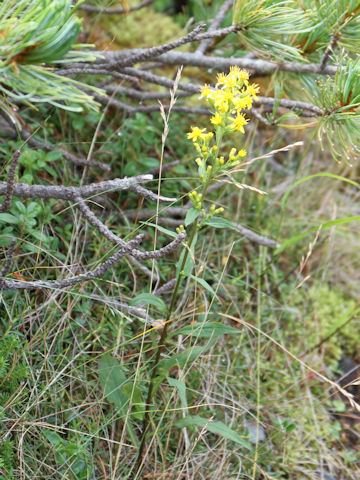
{"x":160,"y":350}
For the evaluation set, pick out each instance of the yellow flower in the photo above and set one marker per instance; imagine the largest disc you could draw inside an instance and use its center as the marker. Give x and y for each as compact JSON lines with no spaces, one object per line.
{"x":242,"y":103}
{"x":238,"y":74}
{"x":216,"y":119}
{"x":206,"y":91}
{"x":252,"y":90}
{"x":231,"y":81}
{"x":243,"y":75}
{"x":221,"y":99}
{"x":221,"y":79}
{"x":206,"y":136}
{"x":241,"y":153}
{"x":238,"y":123}
{"x":199,"y":162}
{"x":195,"y":133}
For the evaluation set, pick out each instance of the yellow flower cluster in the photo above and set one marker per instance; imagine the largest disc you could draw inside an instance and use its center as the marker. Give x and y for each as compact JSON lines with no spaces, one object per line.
{"x":231,"y":95}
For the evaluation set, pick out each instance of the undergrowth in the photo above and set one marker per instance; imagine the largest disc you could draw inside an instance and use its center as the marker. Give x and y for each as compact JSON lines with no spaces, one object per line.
{"x":254,"y":342}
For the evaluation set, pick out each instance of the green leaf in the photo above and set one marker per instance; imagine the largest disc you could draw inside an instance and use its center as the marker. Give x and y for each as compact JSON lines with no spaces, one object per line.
{"x":207,"y":330}
{"x":33,"y":209}
{"x":180,"y":360}
{"x":310,"y":177}
{"x":203,"y":283}
{"x":113,"y":382}
{"x":218,"y":428}
{"x":8,"y":218}
{"x":191,"y":215}
{"x":54,"y":155}
{"x":219,"y":222}
{"x":189,"y":260}
{"x":21,"y":207}
{"x":161,"y":229}
{"x":149,"y":162}
{"x":293,"y":240}
{"x":149,"y":299}
{"x":112,"y":379}
{"x":181,"y":388}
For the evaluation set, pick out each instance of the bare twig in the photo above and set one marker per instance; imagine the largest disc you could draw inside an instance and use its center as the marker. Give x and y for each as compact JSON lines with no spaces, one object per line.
{"x":171,"y":212}
{"x":255,"y":237}
{"x":302,"y":107}
{"x":113,"y":102}
{"x":114,"y":10}
{"x":331,"y":47}
{"x":10,"y":182}
{"x":158,"y":80}
{"x":165,"y":288}
{"x":104,"y":230}
{"x":143,"y":192}
{"x":68,"y":193}
{"x":85,"y":69}
{"x":124,"y":307}
{"x":96,"y":273}
{"x":5,"y":269}
{"x":140,"y":94}
{"x":260,"y":117}
{"x":154,"y":52}
{"x":290,"y":104}
{"x":220,"y":63}
{"x":164,"y":167}
{"x":219,"y":17}
{"x":144,"y":269}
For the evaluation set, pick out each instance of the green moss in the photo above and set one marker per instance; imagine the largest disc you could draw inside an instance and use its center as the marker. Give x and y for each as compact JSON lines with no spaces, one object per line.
{"x":143,"y":28}
{"x":333,"y":313}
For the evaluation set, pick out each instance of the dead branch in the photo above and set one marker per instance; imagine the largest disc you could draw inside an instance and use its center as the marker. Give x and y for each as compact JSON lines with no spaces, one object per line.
{"x":107,"y":233}
{"x":9,"y":256}
{"x":171,"y":212}
{"x":154,"y":52}
{"x":219,"y":17}
{"x":218,"y":63}
{"x":68,"y":193}
{"x":10,"y":182}
{"x":98,"y":272}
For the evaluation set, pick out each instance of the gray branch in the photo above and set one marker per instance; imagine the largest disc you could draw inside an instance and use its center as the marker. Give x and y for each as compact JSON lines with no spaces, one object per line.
{"x":308,"y":108}
{"x":10,"y":182}
{"x":154,"y":52}
{"x":219,"y":17}
{"x":104,"y":230}
{"x":140,"y":94}
{"x":9,"y":256}
{"x":98,"y":272}
{"x":171,"y":212}
{"x":68,"y":193}
{"x":218,"y":63}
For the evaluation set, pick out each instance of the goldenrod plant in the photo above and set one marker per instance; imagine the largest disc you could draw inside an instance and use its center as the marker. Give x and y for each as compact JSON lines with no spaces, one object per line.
{"x":231,"y":95}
